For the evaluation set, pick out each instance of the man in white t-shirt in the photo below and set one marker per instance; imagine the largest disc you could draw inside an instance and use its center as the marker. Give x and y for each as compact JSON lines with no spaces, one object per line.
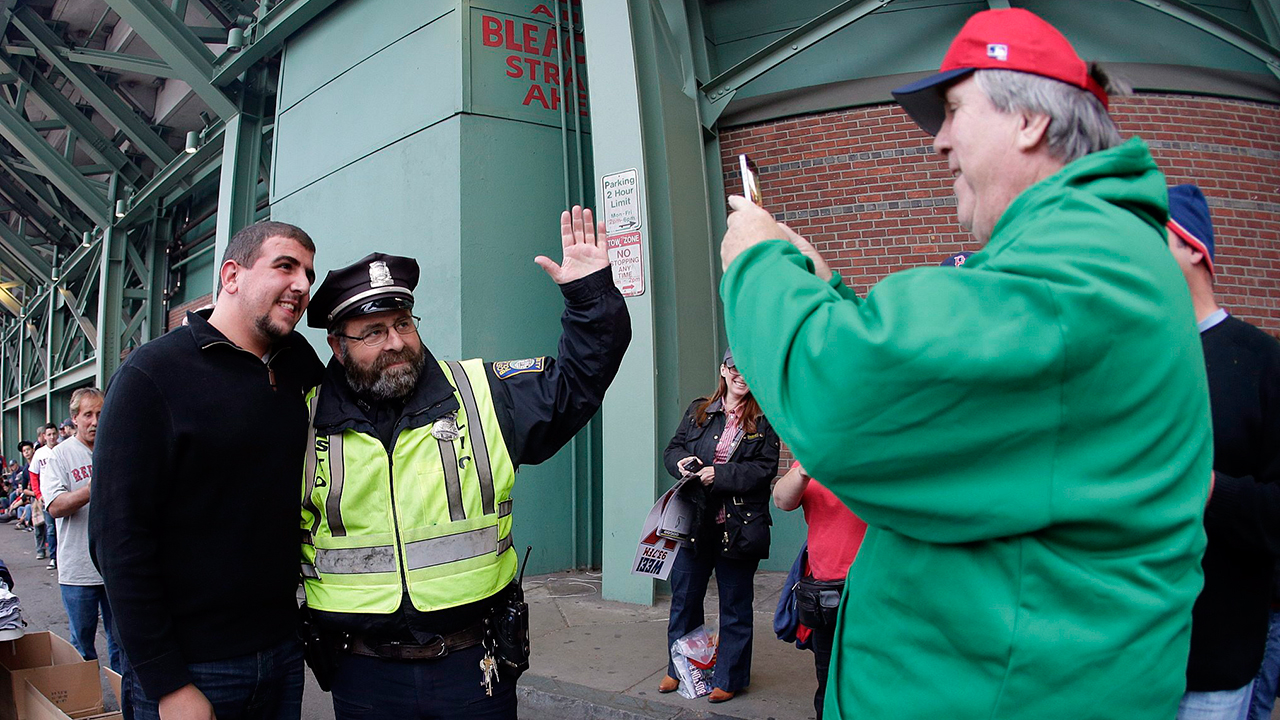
{"x":46,"y":534}
{"x":65,"y":482}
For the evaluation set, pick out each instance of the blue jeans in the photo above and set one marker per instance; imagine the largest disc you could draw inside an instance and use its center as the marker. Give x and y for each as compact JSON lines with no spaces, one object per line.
{"x":82,"y":603}
{"x":1221,"y":705}
{"x":266,"y":685}
{"x":1265,"y":684}
{"x":689,"y":578}
{"x":51,"y":535}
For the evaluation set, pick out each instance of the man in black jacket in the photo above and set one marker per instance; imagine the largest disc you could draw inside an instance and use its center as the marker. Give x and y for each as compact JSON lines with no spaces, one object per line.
{"x":202,"y":579}
{"x":1242,"y":521}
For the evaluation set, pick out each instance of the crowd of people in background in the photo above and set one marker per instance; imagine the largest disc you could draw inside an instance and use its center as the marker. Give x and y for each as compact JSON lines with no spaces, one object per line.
{"x":24,"y":500}
{"x":47,"y":493}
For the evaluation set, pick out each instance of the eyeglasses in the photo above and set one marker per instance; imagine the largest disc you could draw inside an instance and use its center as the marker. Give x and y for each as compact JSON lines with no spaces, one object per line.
{"x":733,"y":370}
{"x":378,"y":336}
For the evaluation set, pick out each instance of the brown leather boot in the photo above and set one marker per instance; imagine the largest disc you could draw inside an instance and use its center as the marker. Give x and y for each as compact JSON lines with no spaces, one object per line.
{"x":668,"y":684}
{"x":718,"y":696}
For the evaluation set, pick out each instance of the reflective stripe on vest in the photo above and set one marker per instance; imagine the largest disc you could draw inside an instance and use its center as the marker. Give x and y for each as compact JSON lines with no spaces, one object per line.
{"x":433,"y":516}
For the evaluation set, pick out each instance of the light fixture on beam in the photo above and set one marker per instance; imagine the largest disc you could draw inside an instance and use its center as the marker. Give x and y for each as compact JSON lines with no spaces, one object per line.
{"x":55,"y":275}
{"x":121,"y":208}
{"x":193,"y":142}
{"x":235,"y":39}
{"x":87,"y":240}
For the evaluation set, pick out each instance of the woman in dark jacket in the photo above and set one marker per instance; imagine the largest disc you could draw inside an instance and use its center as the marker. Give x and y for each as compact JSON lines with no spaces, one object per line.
{"x":729,"y":446}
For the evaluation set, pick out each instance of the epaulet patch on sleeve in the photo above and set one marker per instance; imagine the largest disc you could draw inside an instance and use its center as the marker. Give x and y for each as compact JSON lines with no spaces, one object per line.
{"x":510,"y":368}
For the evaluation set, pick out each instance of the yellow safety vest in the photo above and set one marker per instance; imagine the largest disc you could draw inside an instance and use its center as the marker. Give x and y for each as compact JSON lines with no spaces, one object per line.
{"x":432,"y":517}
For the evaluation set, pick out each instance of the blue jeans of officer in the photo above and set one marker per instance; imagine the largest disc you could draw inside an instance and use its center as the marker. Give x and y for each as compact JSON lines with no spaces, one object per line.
{"x":371,"y":688}
{"x":266,"y":685}
{"x":689,"y":578}
{"x":82,"y":603}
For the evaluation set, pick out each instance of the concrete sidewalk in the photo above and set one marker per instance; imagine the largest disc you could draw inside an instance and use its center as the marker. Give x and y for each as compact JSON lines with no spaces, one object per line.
{"x":594,"y":658}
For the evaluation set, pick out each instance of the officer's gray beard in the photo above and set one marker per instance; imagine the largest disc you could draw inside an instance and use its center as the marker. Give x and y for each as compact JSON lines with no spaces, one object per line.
{"x":376,"y":381}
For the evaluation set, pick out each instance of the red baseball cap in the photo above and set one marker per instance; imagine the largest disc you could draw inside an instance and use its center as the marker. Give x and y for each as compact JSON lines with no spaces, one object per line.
{"x":1013,"y":39}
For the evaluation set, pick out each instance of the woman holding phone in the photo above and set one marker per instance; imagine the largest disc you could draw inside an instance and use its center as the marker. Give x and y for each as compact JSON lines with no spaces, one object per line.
{"x":729,"y":447}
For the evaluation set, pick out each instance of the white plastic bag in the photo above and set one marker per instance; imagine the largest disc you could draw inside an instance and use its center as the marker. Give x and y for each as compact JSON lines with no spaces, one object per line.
{"x":694,"y":656}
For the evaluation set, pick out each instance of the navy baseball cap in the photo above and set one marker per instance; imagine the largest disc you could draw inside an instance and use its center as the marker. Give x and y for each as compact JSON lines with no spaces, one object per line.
{"x":1009,"y":39}
{"x":728,"y":358}
{"x":955,"y":260}
{"x":1189,"y":220}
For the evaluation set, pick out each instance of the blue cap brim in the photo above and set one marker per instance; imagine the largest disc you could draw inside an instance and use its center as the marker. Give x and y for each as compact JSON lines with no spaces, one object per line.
{"x":923,"y":99}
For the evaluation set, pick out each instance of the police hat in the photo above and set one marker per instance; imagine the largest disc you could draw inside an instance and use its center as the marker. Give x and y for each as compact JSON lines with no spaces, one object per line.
{"x":375,"y":283}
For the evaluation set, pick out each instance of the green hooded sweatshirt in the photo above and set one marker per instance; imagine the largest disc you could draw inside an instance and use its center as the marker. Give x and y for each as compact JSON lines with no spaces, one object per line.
{"x":1028,"y":437}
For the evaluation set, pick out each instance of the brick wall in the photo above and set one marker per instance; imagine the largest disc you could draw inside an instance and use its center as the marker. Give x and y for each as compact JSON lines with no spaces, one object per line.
{"x":176,"y":314}
{"x":866,"y":187}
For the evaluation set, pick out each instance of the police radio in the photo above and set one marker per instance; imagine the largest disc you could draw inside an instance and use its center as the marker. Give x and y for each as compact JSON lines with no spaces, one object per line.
{"x":511,"y":624}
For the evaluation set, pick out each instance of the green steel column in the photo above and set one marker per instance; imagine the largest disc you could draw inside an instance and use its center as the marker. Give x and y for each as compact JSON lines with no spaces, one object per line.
{"x":110,"y":296}
{"x":241,"y":156}
{"x":646,"y":119}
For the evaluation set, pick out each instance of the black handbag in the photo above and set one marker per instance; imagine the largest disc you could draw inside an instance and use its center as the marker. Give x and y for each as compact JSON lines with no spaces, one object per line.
{"x":818,"y":602}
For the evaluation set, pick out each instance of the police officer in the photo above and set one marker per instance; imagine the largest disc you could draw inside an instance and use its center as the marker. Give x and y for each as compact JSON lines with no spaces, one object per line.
{"x":406,"y":510}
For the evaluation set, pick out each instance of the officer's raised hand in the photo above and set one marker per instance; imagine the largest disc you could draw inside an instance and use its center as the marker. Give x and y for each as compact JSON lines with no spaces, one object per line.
{"x":584,"y":247}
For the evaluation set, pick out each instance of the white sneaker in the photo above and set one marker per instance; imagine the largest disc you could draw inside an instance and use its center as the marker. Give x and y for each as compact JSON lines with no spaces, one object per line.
{"x":53,"y":564}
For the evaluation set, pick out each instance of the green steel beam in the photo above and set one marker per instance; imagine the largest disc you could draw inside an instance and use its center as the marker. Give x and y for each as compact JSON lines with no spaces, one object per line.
{"x":86,"y":325}
{"x":80,"y":261}
{"x":47,"y":125}
{"x":120,"y":61}
{"x":241,"y":154}
{"x":102,"y":58}
{"x":717,"y":93}
{"x":15,"y":188}
{"x":174,"y":42}
{"x":57,"y":105}
{"x":22,"y":253}
{"x":52,"y":165}
{"x":11,"y":191}
{"x":268,"y":36}
{"x":10,"y":303}
{"x":94,"y":88}
{"x":110,"y":297}
{"x":14,"y":266}
{"x":172,"y":178}
{"x":1211,"y":24}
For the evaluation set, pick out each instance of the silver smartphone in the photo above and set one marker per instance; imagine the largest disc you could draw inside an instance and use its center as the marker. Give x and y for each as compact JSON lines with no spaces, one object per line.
{"x":750,"y":180}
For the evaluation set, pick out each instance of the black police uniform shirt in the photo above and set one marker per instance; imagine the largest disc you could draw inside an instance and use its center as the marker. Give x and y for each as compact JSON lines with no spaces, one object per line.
{"x":539,"y":410}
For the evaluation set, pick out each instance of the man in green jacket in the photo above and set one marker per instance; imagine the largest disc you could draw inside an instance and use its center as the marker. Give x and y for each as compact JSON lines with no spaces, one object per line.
{"x":1027,"y":435}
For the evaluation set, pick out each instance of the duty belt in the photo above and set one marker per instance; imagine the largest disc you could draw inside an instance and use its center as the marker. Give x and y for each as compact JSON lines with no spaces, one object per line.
{"x":440,"y":646}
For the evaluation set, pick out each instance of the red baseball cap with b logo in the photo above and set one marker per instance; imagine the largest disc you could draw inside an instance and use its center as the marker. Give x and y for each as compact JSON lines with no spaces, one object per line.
{"x":1013,"y":39}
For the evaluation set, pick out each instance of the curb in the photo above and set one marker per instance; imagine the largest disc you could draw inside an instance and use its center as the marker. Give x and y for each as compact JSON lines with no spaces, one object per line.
{"x":578,"y":702}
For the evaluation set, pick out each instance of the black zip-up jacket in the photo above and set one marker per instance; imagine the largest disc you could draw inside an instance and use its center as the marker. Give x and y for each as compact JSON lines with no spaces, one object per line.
{"x":742,"y":484}
{"x":197,"y":564}
{"x":538,"y":411}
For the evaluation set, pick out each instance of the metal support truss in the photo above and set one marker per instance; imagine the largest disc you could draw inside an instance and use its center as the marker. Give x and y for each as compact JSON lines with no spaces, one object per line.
{"x":720,"y":90}
{"x":178,"y":46}
{"x":58,"y":106}
{"x":51,"y":163}
{"x":94,"y":88}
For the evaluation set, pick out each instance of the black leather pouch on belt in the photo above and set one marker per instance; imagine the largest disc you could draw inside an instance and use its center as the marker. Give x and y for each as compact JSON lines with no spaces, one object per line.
{"x":510,"y":628}
{"x":321,"y":654}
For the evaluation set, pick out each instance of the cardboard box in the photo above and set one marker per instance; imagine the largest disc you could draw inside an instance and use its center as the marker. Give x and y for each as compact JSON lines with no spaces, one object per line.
{"x":56,"y":671}
{"x":39,"y":707}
